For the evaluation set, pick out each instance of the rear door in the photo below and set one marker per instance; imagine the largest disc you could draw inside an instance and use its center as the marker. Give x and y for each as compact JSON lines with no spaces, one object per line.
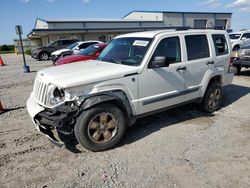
{"x":198,"y":61}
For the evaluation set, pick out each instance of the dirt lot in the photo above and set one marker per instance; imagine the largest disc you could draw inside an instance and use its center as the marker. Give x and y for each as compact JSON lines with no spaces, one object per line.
{"x":178,"y":148}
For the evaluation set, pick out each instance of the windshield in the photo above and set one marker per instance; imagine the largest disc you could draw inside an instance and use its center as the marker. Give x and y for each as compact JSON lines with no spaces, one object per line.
{"x":91,"y":50}
{"x":234,"y":36}
{"x":128,"y":51}
{"x":72,"y":45}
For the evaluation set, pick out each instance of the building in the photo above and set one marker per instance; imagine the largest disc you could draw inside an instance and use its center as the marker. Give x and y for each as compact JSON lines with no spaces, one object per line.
{"x":27,"y":45}
{"x":49,"y":30}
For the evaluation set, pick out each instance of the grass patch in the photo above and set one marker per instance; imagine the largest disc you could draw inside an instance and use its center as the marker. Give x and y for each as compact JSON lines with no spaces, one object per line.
{"x":6,"y":52}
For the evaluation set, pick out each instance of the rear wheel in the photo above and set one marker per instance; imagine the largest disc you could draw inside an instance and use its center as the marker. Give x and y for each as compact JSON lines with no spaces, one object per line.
{"x":212,"y":98}
{"x":100,"y":127}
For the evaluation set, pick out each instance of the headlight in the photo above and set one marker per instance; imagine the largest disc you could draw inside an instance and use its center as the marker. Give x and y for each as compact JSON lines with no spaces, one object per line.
{"x":242,"y":53}
{"x":55,"y":95}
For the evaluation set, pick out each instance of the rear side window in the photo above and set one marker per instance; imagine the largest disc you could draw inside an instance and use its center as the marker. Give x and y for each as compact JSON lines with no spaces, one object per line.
{"x":67,"y":42}
{"x":197,"y":47}
{"x":246,"y":35}
{"x":220,"y":44}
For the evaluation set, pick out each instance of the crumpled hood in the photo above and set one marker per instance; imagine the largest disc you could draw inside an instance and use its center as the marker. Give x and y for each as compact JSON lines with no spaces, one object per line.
{"x":58,"y":52}
{"x":79,"y":73}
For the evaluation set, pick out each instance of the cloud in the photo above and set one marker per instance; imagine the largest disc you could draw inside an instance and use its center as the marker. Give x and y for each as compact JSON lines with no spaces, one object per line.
{"x":241,"y":5}
{"x":85,"y":1}
{"x":211,"y":3}
{"x":25,"y":1}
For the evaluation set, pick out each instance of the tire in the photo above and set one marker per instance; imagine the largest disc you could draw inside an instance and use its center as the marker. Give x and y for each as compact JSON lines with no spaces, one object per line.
{"x":212,"y":98}
{"x":43,"y":56}
{"x":238,"y":70}
{"x":100,"y":128}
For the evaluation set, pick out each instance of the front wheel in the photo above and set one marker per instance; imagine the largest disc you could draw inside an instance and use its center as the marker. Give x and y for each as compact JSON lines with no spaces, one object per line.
{"x":101,"y":127}
{"x":212,"y":98}
{"x":44,"y":56}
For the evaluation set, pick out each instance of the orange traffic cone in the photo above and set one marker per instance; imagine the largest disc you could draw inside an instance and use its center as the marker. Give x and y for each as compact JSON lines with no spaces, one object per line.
{"x":1,"y":62}
{"x":1,"y":107}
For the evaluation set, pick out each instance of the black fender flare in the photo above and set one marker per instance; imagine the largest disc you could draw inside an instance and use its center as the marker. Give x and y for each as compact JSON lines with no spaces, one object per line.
{"x":117,"y":97}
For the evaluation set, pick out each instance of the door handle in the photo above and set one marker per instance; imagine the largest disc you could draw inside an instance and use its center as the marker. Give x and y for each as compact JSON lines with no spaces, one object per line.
{"x":210,"y":63}
{"x":181,"y":68}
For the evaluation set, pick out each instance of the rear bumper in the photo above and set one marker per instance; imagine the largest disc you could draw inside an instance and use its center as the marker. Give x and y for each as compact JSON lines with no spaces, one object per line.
{"x":242,"y":62}
{"x":55,"y":125}
{"x":34,"y":56}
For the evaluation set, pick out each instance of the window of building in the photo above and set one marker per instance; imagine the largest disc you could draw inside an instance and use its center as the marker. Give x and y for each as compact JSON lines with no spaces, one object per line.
{"x":220,"y":24}
{"x":200,"y":24}
{"x":220,"y":44}
{"x":170,"y":49}
{"x":197,"y":47}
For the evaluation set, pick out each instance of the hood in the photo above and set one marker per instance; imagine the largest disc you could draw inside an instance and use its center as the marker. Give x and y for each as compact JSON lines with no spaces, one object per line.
{"x":58,"y":52}
{"x":79,"y":73}
{"x":234,"y":40}
{"x":72,"y":58}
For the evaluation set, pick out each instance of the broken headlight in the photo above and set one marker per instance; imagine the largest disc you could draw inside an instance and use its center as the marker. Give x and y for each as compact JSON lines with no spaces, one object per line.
{"x":55,"y":95}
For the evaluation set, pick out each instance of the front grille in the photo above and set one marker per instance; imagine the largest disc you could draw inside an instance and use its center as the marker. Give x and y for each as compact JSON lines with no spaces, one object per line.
{"x":40,"y":92}
{"x":247,"y":52}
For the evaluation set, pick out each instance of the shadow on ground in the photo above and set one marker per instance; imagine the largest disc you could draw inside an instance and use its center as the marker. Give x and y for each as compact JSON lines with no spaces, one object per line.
{"x":153,"y":123}
{"x":150,"y":124}
{"x":11,"y":109}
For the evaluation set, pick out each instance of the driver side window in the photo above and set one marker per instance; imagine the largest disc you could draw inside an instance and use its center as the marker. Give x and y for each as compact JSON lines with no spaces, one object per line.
{"x":170,"y":49}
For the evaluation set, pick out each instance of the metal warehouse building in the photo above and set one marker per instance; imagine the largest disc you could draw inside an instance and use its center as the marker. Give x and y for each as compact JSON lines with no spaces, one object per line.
{"x":46,"y":31}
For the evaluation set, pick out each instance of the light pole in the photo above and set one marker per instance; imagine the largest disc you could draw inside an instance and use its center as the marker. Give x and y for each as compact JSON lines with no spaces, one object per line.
{"x":19,"y":31}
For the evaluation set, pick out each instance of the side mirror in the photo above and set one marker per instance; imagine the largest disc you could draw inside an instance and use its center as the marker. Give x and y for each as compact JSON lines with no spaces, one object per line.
{"x":97,"y":54}
{"x":159,"y":61}
{"x":244,"y":38}
{"x":77,"y":48}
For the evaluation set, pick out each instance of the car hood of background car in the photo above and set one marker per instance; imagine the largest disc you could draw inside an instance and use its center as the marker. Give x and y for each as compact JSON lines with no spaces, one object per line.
{"x":72,"y":58}
{"x":58,"y":52}
{"x":79,"y":73}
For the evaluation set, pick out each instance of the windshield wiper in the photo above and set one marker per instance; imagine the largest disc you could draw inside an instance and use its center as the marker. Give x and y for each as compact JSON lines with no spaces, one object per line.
{"x":117,"y":61}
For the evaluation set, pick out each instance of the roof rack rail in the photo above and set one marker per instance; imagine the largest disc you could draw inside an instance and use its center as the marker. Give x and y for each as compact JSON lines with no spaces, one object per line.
{"x":182,"y":28}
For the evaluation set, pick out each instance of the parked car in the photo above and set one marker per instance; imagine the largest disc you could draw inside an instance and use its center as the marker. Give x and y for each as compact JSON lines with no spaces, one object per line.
{"x":92,"y":52}
{"x":241,"y":59}
{"x":137,"y":74}
{"x":240,"y":39}
{"x":72,"y":49}
{"x":44,"y":53}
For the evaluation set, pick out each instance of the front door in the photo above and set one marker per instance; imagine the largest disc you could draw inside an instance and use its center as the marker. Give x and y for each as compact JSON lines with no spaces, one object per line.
{"x":162,"y":87}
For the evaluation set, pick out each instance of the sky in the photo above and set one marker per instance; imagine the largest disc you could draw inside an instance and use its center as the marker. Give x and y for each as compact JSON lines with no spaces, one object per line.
{"x":25,"y":12}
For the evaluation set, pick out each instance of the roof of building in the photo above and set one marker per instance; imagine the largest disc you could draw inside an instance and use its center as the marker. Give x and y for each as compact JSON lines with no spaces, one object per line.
{"x":176,"y":12}
{"x":92,"y":20}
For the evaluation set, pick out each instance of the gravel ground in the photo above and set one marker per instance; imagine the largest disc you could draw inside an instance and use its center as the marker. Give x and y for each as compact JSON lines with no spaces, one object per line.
{"x":181,"y":147}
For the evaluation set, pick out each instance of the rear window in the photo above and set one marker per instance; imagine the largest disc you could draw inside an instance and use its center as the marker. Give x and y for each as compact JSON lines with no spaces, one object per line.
{"x":220,"y":44}
{"x":197,"y":47}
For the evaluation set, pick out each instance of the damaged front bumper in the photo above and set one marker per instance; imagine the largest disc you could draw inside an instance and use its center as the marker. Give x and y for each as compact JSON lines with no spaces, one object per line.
{"x":57,"y":124}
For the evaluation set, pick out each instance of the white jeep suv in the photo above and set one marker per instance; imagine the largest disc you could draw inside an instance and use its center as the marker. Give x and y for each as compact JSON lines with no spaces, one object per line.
{"x":240,"y":39}
{"x":137,"y":74}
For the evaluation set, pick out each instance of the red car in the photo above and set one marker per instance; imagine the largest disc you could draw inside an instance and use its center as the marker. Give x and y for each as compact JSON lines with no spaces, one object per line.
{"x":91,"y":52}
